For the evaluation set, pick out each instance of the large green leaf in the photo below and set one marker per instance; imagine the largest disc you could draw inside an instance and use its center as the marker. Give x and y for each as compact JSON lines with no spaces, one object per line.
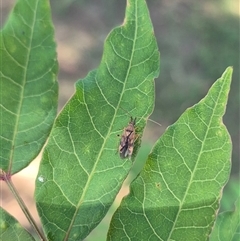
{"x":10,"y":229}
{"x":227,"y":227}
{"x":81,"y":173}
{"x":176,"y":196}
{"x":28,"y":87}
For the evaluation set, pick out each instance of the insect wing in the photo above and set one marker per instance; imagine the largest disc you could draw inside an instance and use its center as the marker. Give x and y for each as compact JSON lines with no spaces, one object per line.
{"x":123,"y":146}
{"x":124,"y":152}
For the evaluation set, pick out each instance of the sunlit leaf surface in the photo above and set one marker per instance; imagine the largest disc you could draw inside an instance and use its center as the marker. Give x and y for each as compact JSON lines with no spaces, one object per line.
{"x":177,"y":195}
{"x":81,"y":171}
{"x":28,"y":87}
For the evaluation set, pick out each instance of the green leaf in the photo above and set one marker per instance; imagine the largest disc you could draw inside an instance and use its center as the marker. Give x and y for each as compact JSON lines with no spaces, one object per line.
{"x":230,"y":192}
{"x":28,"y":86}
{"x":227,"y":227}
{"x":176,"y":196}
{"x":81,"y":171}
{"x":10,"y":228}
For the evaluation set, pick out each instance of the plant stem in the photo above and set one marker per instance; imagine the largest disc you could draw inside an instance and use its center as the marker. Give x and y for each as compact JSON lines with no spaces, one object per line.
{"x":24,"y":208}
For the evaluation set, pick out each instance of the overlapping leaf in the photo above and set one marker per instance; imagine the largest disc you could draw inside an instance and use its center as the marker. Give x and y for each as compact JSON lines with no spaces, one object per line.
{"x":227,"y":227}
{"x":10,"y":228}
{"x":81,"y":173}
{"x":28,"y":86}
{"x":176,"y":196}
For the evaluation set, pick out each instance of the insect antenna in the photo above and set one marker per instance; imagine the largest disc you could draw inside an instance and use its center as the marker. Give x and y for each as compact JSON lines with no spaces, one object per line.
{"x":155,"y":122}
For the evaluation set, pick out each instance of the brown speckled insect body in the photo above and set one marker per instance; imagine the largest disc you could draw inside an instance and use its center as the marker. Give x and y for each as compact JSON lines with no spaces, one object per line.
{"x":127,"y":140}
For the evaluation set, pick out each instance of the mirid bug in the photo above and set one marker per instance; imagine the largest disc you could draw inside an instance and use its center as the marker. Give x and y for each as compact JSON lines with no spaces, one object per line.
{"x":127,"y":140}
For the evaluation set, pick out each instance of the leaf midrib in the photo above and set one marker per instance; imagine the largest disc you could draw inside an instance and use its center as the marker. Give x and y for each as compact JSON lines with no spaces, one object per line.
{"x":22,"y":92}
{"x":195,"y":167}
{"x":108,"y":133}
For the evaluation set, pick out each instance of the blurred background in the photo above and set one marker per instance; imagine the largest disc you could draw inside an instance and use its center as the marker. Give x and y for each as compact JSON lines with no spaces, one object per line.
{"x":197,"y":41}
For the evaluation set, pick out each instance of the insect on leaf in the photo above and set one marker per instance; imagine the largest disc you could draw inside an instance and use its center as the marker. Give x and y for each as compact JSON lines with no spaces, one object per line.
{"x":127,"y":140}
{"x":177,"y":194}
{"x":81,"y":173}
